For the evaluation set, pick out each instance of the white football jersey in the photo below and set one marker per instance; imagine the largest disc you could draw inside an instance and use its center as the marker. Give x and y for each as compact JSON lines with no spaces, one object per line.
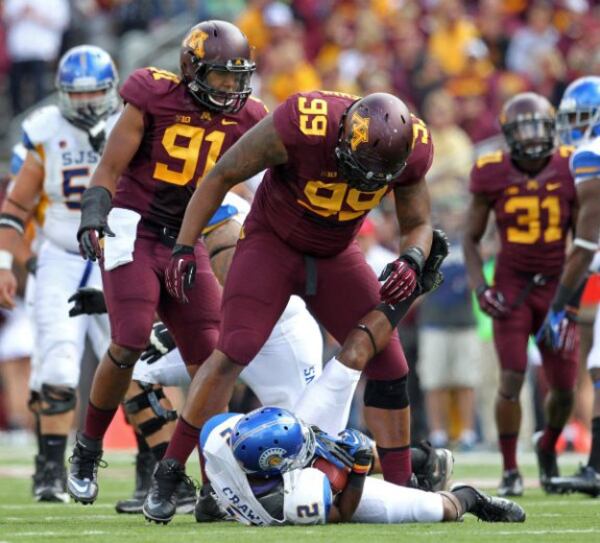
{"x":69,"y":162}
{"x":306,"y":496}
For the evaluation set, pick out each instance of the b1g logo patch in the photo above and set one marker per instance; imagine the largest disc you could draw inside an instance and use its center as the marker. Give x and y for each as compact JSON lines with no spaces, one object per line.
{"x":271,"y":458}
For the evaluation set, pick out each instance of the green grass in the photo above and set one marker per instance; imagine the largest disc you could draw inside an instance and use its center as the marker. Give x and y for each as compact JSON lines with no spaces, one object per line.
{"x":549,"y":518}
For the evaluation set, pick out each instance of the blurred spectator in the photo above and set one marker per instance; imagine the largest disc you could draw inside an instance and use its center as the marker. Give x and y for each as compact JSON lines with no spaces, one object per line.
{"x":34,"y":34}
{"x":448,"y":347}
{"x":530,"y":43}
{"x":453,"y":149}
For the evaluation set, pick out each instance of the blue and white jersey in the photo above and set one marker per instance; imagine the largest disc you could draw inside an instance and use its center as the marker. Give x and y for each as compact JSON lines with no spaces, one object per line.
{"x":305,"y":493}
{"x":585,"y":161}
{"x":69,"y":161}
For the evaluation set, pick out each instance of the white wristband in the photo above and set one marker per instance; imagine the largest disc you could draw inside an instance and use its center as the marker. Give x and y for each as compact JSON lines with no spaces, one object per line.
{"x":6,"y":260}
{"x":585,"y":244}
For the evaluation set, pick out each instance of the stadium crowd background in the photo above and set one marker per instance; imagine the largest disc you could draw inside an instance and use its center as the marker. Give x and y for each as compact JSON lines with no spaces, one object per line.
{"x":453,"y":62}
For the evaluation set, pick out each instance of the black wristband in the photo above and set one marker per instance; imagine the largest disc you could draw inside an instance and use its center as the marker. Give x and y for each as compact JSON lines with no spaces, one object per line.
{"x":562,"y":297}
{"x":12,"y":221}
{"x":181,"y":249}
{"x":415,"y":258}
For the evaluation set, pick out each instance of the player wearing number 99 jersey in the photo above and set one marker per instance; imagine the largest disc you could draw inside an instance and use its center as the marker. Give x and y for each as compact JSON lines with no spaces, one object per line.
{"x":531,"y":192}
{"x":331,"y":159}
{"x":172,"y":131}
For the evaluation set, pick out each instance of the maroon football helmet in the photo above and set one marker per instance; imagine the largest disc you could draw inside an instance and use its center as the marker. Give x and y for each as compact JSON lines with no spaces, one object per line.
{"x":375,"y":141}
{"x":218,"y":46}
{"x":529,"y":126}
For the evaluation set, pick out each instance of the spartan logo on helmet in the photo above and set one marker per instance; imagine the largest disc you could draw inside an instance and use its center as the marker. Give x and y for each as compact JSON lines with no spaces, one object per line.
{"x":374,"y":142}
{"x":528,"y":125}
{"x":217,"y":46}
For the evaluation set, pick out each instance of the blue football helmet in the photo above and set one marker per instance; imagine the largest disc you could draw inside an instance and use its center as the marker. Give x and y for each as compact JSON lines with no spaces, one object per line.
{"x":270,"y":441}
{"x":85,"y":69}
{"x":578,"y":116}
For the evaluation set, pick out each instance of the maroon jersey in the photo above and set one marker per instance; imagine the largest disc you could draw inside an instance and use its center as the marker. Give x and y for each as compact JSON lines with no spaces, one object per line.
{"x":304,"y":201}
{"x":533,"y":213}
{"x":181,"y":142}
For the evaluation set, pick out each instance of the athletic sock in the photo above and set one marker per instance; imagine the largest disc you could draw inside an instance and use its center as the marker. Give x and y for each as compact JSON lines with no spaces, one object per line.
{"x":467,"y":497}
{"x":594,"y":460}
{"x":326,"y":401}
{"x":97,"y":421}
{"x":54,"y":446}
{"x":549,"y":438}
{"x":141,"y":443}
{"x":159,"y":450}
{"x":508,"y":448}
{"x":183,"y":442}
{"x":395,"y":464}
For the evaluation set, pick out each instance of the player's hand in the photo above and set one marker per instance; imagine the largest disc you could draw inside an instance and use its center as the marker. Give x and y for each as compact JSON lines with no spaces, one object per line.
{"x":94,"y":125}
{"x":87,"y":301}
{"x":491,"y":302}
{"x":432,"y":277}
{"x":161,"y":343}
{"x":559,"y":331}
{"x":8,"y":289}
{"x":360,"y":446}
{"x":327,"y":447}
{"x":400,"y":281}
{"x":181,"y":272}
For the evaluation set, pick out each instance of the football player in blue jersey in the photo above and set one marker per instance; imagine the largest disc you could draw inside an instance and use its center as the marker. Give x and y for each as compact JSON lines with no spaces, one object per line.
{"x":578,"y":123}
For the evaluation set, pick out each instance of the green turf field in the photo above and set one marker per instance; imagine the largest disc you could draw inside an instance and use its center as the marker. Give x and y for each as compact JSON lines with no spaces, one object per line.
{"x":549,"y":518}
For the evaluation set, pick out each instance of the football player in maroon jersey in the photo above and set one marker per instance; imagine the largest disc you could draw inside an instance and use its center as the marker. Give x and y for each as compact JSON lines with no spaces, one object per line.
{"x":172,"y":131}
{"x":531,"y":193}
{"x":331,"y":158}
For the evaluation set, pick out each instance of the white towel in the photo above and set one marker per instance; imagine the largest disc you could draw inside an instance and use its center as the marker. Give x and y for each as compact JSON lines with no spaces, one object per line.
{"x":118,"y":250}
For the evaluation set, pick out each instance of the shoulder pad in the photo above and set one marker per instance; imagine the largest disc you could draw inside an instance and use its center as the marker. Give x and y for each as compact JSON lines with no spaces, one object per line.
{"x":259,"y":102}
{"x":585,"y":163}
{"x":145,"y":83}
{"x":41,"y":125}
{"x":493,"y":157}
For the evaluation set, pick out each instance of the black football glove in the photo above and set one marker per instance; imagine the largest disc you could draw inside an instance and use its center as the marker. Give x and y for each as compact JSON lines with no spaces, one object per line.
{"x":95,"y":126}
{"x":431,"y":277}
{"x":87,"y":301}
{"x":161,"y":343}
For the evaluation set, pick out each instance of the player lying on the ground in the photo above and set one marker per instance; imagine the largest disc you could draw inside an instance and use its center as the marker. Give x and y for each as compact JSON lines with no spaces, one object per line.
{"x":269,"y":468}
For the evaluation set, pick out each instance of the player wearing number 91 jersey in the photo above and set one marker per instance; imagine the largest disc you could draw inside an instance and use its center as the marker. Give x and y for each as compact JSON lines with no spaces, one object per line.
{"x":172,"y":131}
{"x":531,"y":192}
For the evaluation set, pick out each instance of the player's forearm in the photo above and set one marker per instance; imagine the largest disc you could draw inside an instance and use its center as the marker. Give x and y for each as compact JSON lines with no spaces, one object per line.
{"x":473,"y":262}
{"x":106,"y":176}
{"x":576,"y":267}
{"x":350,"y":497}
{"x":419,"y":235}
{"x":202,"y":206}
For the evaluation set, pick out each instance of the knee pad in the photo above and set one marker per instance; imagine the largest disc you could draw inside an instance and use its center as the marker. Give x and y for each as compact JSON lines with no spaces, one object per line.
{"x":58,"y":399}
{"x":387,"y":394}
{"x":150,"y":398}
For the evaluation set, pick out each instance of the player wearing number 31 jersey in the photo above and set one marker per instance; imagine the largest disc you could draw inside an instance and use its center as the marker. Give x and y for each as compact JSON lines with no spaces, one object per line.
{"x":172,"y":131}
{"x":532,"y":194}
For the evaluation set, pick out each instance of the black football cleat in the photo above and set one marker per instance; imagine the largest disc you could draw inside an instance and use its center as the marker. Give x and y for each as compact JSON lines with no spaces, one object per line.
{"x":52,"y":484}
{"x":144,"y":466}
{"x":207,"y":509}
{"x":36,"y":478}
{"x":511,"y":484}
{"x":492,"y":509}
{"x":82,"y":482}
{"x":436,"y":472}
{"x":161,"y":502}
{"x":586,"y":481}
{"x":547,"y":464}
{"x":186,"y":497}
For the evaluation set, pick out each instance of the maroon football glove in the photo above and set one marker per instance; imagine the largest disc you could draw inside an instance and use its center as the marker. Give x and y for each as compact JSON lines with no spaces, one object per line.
{"x":180,"y":272}
{"x":401,"y":281}
{"x":491,"y":302}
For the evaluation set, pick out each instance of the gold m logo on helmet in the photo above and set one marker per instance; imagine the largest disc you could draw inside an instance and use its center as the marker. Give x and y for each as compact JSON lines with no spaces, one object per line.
{"x":360,"y":130}
{"x":196,"y":41}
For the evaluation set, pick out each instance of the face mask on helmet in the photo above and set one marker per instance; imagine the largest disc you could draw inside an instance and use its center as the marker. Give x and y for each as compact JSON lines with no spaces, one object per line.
{"x":224,"y":88}
{"x":576,"y":124}
{"x":270,"y":441}
{"x":86,"y":81}
{"x":360,"y":172}
{"x":531,"y":138}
